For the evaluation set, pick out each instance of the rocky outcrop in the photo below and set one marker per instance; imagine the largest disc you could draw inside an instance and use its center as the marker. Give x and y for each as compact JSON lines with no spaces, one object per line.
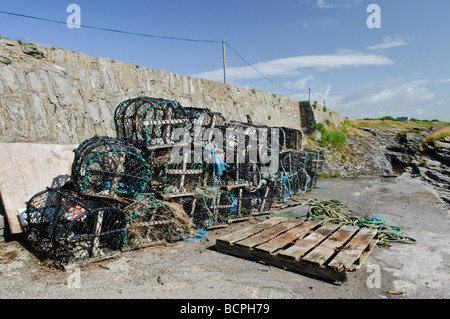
{"x":394,"y":152}
{"x":433,"y":166}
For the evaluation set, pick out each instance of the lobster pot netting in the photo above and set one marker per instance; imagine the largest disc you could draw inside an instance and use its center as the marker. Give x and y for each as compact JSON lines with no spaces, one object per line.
{"x":68,"y":228}
{"x":146,"y":122}
{"x":290,"y":139}
{"x":201,"y":123}
{"x":151,"y":221}
{"x":182,"y":172}
{"x":299,"y":170}
{"x":211,"y":207}
{"x":110,"y":167}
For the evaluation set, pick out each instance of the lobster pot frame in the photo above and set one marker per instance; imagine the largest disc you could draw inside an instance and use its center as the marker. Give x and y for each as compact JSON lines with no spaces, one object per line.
{"x":247,"y":143}
{"x":199,"y":121}
{"x":312,"y":163}
{"x":246,"y":173}
{"x":211,"y":207}
{"x":67,"y":228}
{"x":109,"y":167}
{"x":290,"y":139}
{"x":149,"y":122}
{"x":182,"y":172}
{"x":257,"y":199}
{"x":149,"y":221}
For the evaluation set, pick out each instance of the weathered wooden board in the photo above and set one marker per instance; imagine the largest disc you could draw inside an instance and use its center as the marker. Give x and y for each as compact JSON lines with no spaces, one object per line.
{"x":323,"y":251}
{"x":26,"y":169}
{"x":249,"y":231}
{"x":354,"y":249}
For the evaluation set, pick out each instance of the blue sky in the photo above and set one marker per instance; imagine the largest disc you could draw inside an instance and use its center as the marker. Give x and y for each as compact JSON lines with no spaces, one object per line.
{"x":400,"y":69}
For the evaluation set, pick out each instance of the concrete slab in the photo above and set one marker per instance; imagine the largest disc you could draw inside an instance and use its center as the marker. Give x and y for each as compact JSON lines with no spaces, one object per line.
{"x":27,"y":169}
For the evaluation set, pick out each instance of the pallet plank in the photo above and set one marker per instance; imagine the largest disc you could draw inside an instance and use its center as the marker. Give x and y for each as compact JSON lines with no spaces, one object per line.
{"x":288,"y":237}
{"x":353,"y":250}
{"x":358,"y":263}
{"x":269,"y":233}
{"x":327,"y":248}
{"x":304,"y":245}
{"x":251,"y":230}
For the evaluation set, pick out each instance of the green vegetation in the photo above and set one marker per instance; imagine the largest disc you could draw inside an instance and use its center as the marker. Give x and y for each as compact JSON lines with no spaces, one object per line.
{"x":438,"y":135}
{"x":335,"y":138}
{"x":330,"y":174}
{"x":423,"y":163}
{"x":389,"y":122}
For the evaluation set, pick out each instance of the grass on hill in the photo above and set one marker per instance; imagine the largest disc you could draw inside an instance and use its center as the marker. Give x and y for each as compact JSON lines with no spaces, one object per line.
{"x":388,"y":122}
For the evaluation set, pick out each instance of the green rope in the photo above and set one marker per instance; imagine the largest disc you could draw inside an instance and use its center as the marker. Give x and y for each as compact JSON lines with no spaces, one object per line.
{"x":330,"y":211}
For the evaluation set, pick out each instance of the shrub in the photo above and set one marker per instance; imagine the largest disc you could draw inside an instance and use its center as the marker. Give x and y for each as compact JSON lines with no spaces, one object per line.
{"x":319,"y":126}
{"x":334,"y":138}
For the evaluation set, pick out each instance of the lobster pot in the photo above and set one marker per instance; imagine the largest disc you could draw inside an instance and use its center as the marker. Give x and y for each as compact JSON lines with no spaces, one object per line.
{"x":256,"y":199}
{"x":249,"y":144}
{"x":246,"y":173}
{"x":317,"y":163}
{"x":68,"y":228}
{"x":289,"y":174}
{"x":149,"y":122}
{"x":309,"y":164}
{"x":211,"y":207}
{"x":201,"y":123}
{"x":109,"y":167}
{"x":290,"y":139}
{"x":181,"y":173}
{"x":149,"y":221}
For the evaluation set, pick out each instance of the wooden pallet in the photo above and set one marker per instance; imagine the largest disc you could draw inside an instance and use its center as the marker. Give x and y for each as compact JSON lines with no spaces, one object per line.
{"x":327,"y":251}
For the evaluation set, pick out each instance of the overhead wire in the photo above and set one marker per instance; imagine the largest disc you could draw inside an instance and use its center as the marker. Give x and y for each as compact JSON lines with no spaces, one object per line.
{"x":264,"y":76}
{"x":152,"y":36}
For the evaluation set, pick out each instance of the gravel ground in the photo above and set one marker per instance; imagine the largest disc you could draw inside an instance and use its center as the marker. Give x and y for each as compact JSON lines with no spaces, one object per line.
{"x":196,"y":270}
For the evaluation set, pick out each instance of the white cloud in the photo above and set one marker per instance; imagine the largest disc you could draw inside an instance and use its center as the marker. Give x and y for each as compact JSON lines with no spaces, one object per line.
{"x":390,"y":97}
{"x":442,"y":81}
{"x":389,"y":42}
{"x":322,"y":4}
{"x":300,"y":84}
{"x":325,"y":4}
{"x":292,"y":66}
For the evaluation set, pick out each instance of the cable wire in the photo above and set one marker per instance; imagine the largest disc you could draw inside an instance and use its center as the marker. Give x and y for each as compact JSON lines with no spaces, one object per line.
{"x":152,"y":36}
{"x":268,"y":79}
{"x":110,"y":30}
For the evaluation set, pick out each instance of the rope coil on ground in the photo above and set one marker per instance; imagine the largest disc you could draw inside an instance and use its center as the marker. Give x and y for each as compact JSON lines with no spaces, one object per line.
{"x":330,"y":211}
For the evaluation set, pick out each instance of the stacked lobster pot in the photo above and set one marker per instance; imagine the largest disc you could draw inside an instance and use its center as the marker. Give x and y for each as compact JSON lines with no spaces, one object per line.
{"x":216,"y":170}
{"x":170,"y":170}
{"x":105,"y":207}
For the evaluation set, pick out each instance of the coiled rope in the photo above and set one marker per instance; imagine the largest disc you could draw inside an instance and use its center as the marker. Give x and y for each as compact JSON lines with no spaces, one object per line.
{"x":330,"y":211}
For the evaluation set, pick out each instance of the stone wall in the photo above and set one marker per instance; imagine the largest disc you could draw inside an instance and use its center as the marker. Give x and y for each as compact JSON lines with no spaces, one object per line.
{"x":50,"y":95}
{"x":313,"y":113}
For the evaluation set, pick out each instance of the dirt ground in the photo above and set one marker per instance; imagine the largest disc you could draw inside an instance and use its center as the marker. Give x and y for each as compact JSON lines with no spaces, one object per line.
{"x":187,"y":270}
